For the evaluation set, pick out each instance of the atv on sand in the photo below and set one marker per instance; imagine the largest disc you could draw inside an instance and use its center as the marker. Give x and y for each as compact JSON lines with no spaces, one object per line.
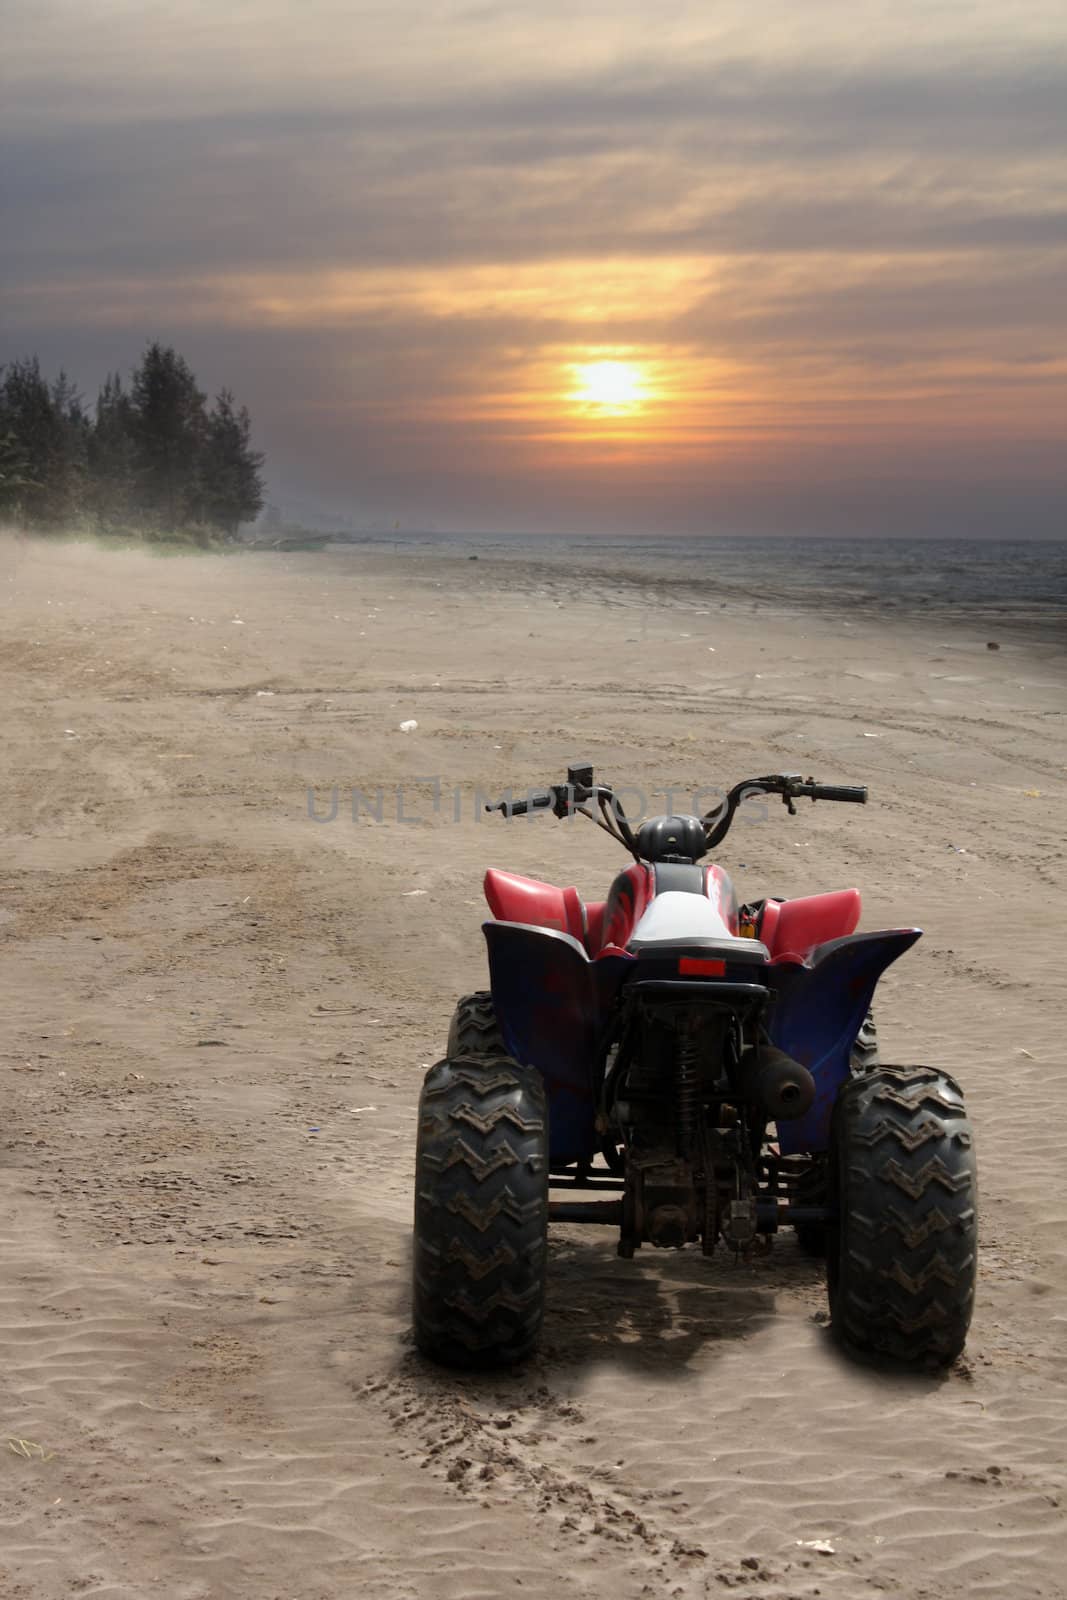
{"x":712,"y":1070}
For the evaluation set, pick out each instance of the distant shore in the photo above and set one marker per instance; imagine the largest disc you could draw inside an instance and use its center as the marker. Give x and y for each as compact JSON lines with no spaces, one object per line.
{"x":988,"y":588}
{"x":1017,"y":590}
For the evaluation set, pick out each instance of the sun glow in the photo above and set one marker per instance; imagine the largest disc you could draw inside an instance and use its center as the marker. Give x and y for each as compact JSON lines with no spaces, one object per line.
{"x":618,"y":387}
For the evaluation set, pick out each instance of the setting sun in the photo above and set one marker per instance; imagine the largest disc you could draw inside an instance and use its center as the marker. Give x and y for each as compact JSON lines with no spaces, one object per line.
{"x":609,"y":385}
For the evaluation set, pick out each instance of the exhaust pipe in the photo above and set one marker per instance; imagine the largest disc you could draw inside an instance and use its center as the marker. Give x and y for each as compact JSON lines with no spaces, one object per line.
{"x":781,"y":1085}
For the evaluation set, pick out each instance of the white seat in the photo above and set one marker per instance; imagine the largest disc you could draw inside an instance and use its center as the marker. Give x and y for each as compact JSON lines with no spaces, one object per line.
{"x":675,"y":918}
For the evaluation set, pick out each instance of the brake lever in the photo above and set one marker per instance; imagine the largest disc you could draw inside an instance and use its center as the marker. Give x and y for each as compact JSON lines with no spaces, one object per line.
{"x":571,"y":795}
{"x":563,"y":800}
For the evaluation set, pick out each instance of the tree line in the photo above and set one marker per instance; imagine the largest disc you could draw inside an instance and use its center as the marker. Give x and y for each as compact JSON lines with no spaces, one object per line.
{"x":151,"y":457}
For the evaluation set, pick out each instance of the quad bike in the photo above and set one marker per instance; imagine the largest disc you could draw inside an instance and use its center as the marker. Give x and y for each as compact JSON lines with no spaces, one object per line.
{"x":712,"y":1068}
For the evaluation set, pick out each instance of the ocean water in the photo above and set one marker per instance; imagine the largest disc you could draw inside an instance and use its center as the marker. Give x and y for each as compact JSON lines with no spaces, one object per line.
{"x":1023,"y":581}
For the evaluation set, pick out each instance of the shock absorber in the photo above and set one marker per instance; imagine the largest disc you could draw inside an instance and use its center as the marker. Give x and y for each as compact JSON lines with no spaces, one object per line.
{"x":687,"y":1094}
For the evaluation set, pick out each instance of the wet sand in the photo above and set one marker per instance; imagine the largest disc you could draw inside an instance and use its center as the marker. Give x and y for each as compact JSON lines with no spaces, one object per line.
{"x":217,"y":1012}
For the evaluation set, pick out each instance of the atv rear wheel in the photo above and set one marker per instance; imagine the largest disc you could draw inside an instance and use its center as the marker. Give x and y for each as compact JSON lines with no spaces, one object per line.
{"x":902,"y":1253}
{"x":481,"y":1211}
{"x":474,"y":1030}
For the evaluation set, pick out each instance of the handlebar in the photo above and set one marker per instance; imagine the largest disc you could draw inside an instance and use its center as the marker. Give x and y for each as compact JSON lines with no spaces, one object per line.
{"x":538,"y":800}
{"x":565,"y":799}
{"x":856,"y":795}
{"x":789,"y":785}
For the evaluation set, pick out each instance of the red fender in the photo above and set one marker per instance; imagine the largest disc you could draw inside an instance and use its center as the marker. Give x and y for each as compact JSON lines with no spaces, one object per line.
{"x":513,"y":898}
{"x":792,"y":928}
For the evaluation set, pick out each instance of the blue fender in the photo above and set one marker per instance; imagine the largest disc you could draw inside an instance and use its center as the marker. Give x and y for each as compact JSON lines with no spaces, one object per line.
{"x":552,"y":1004}
{"x":817,"y":1013}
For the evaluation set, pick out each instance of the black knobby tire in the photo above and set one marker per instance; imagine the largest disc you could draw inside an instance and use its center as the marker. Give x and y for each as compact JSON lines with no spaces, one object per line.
{"x":902,"y":1253}
{"x":811,"y":1236}
{"x":481,"y":1211}
{"x":864,"y":1056}
{"x":474,"y":1030}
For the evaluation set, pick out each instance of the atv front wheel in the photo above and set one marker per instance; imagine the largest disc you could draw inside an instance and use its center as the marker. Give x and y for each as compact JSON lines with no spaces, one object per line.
{"x":864,"y":1056}
{"x":481,"y":1211}
{"x":901,"y":1255}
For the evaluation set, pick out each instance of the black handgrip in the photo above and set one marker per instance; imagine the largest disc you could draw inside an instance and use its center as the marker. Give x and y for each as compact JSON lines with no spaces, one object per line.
{"x":837,"y":791}
{"x":540,"y":800}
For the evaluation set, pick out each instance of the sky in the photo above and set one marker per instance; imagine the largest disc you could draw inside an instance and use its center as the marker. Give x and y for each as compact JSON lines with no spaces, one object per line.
{"x":788,"y":266}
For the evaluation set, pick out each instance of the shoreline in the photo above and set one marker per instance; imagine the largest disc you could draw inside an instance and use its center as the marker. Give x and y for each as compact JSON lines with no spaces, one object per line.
{"x":648,"y":585}
{"x":631,"y":572}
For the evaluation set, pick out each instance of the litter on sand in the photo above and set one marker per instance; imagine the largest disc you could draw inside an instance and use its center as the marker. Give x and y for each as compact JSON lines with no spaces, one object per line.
{"x":822,"y":1547}
{"x":29,"y":1449}
{"x":409,"y":726}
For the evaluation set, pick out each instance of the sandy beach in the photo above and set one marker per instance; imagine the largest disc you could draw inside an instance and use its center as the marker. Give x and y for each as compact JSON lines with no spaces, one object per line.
{"x":218,"y":1009}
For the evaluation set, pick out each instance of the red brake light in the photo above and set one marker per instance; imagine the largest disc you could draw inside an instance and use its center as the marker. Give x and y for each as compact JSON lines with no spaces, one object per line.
{"x":692,"y":967}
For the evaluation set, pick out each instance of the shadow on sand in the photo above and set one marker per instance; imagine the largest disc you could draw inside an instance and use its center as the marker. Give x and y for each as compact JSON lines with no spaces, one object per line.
{"x":660,"y":1314}
{"x":659,"y":1311}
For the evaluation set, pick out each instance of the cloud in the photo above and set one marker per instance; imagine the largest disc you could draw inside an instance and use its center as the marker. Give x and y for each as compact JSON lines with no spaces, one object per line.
{"x":403,"y":221}
{"x":725,"y":155}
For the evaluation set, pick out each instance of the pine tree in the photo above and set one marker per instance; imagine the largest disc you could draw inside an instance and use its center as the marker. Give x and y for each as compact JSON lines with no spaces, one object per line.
{"x":170,"y":431}
{"x":66,"y":484}
{"x":12,"y":469}
{"x":45,"y":435}
{"x":112,"y":460}
{"x":12,"y":457}
{"x":14,"y":465}
{"x":231,"y":478}
{"x":152,"y":455}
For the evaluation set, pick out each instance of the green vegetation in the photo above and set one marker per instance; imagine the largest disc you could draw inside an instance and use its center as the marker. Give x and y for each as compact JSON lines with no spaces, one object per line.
{"x":153,"y":460}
